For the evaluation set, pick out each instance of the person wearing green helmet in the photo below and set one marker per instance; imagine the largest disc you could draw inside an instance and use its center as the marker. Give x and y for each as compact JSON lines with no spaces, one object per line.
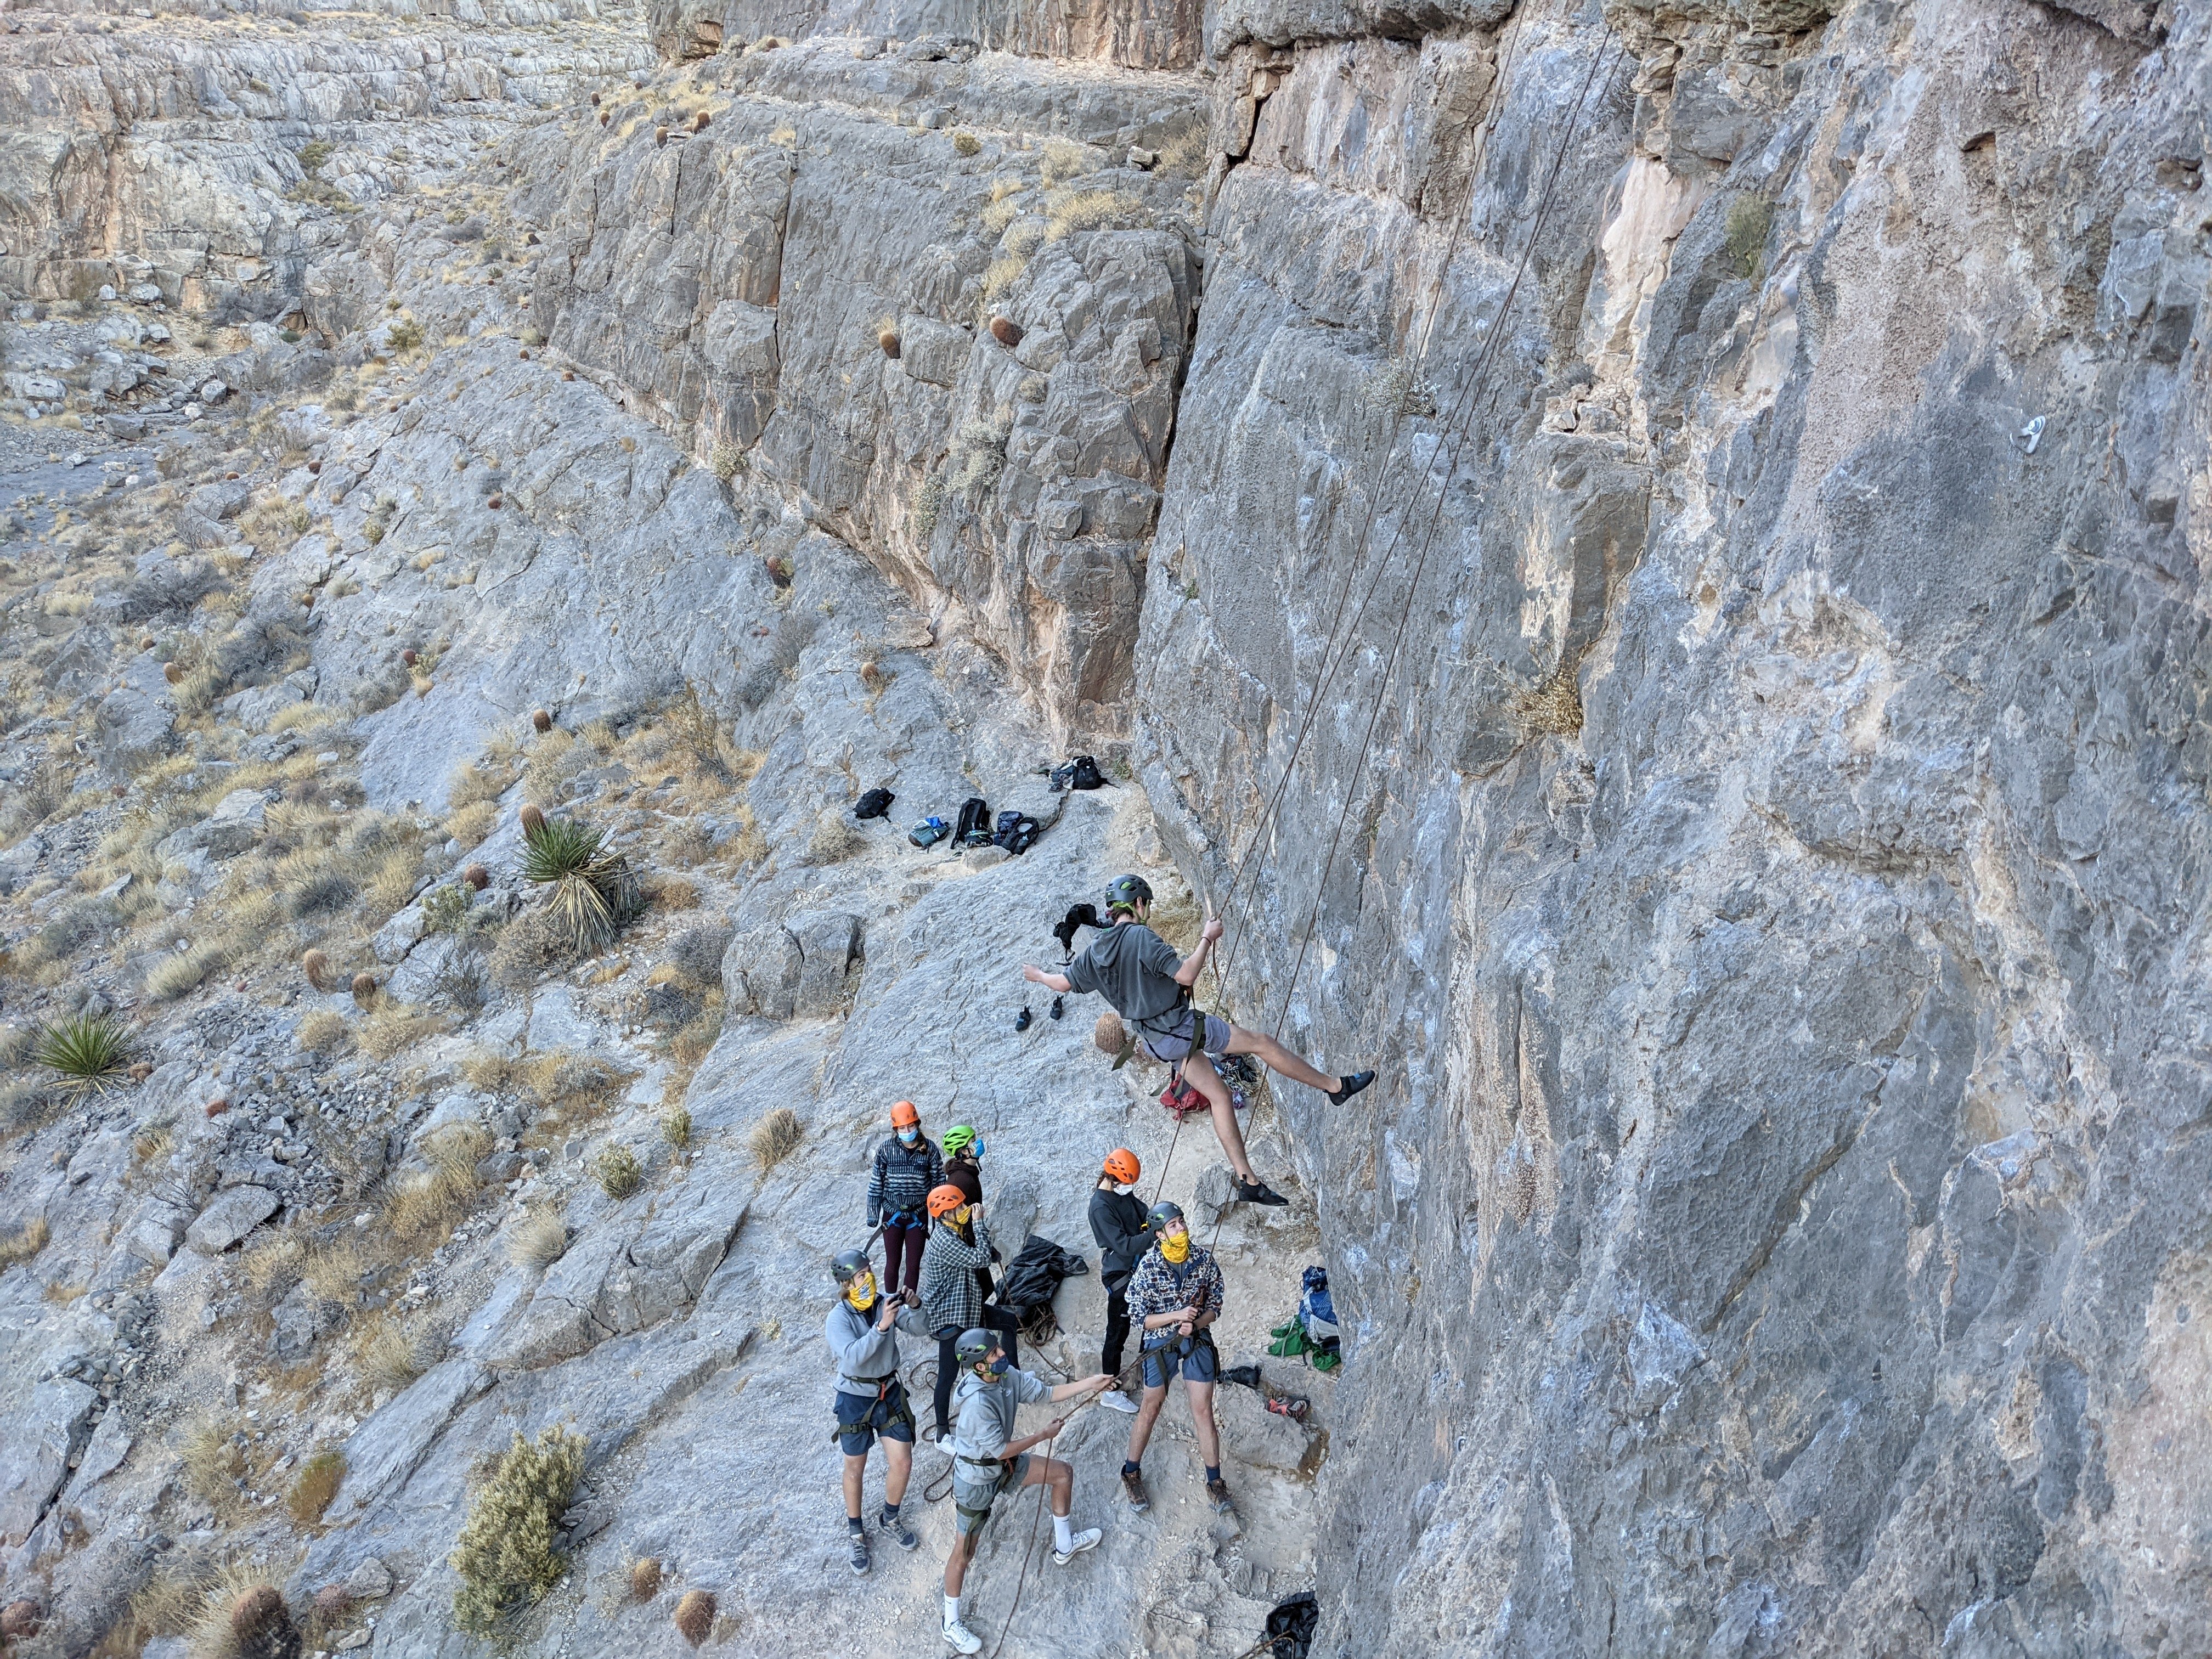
{"x":988,"y":1460}
{"x":1149,"y":986}
{"x":871,"y":1402}
{"x":963,"y":1168}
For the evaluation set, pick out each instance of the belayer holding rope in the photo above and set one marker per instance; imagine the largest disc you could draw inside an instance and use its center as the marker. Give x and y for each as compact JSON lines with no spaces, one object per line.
{"x":987,"y":1460}
{"x":1175,"y":1297}
{"x":1138,"y":972}
{"x":871,"y":1401}
{"x":952,"y":1300}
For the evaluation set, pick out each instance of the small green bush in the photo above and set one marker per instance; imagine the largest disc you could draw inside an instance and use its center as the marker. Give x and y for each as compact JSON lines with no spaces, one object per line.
{"x":676,"y":1127}
{"x":507,"y":1555}
{"x":445,"y":909}
{"x":313,"y":155}
{"x":618,"y":1172}
{"x":85,"y":1051}
{"x":1748,"y":217}
{"x":318,"y":1483}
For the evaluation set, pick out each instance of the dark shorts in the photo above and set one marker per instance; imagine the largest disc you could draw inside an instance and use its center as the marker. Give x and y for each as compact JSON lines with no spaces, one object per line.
{"x":1198,"y":1363}
{"x":1170,"y":1049}
{"x":860,"y":1420}
{"x":972,"y":1501}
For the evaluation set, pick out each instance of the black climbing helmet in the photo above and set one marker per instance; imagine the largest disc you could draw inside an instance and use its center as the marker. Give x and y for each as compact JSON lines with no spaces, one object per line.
{"x":849,"y":1265}
{"x":1129,"y":891}
{"x":975,"y":1346}
{"x":1160,"y":1214}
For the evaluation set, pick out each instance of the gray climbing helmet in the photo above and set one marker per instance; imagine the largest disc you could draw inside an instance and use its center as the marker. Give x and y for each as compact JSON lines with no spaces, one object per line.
{"x":975,"y":1346}
{"x":1129,"y":891}
{"x":849,"y":1265}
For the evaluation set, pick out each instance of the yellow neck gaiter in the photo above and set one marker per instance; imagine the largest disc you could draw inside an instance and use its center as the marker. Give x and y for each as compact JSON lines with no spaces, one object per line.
{"x":1177,"y":1249}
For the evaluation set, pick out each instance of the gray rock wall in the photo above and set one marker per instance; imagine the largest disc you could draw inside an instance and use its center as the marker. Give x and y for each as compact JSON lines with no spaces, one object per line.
{"x":1771,"y":890}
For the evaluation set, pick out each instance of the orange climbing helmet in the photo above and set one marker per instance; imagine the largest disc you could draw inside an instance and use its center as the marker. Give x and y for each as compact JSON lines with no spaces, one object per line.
{"x":904,"y":1113}
{"x":944,"y":1200}
{"x":1122,"y":1164}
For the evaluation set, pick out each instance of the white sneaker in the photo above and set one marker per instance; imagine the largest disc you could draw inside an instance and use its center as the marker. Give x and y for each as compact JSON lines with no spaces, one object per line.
{"x":963,"y":1639}
{"x":1086,"y":1540}
{"x":1114,"y":1400}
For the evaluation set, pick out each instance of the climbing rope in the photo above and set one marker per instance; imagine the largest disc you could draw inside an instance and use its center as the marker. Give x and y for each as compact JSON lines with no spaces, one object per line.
{"x":1428,"y":542}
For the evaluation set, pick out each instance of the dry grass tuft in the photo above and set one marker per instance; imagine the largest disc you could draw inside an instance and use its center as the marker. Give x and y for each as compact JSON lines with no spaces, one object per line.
{"x":835,"y":840}
{"x":387,"y":1355}
{"x":676,"y":1127}
{"x":429,"y":1205}
{"x":25,"y":1242}
{"x":1554,"y":706}
{"x":318,"y":1484}
{"x":774,"y":1138}
{"x":325,"y":1032}
{"x":538,"y":1240}
{"x":393,"y":1027}
{"x":212,"y":1460}
{"x":644,"y":1579}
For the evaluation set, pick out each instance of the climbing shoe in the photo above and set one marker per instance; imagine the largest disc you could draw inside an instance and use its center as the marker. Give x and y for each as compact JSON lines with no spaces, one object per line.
{"x":1086,"y":1540}
{"x":1353,"y":1085}
{"x":1134,"y":1485}
{"x":962,"y":1640}
{"x":1114,"y":1400}
{"x":859,"y":1542}
{"x":901,"y":1534}
{"x":1288,"y":1404}
{"x":1258,"y":1192}
{"x":1217,"y":1493}
{"x":1023,"y":1020}
{"x":1056,"y":1010}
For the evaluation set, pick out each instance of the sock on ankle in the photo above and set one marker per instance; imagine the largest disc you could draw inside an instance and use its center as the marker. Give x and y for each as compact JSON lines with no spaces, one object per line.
{"x":951,"y":1609}
{"x":1128,"y":1468}
{"x":891,"y":1513}
{"x":1062,"y":1534}
{"x":853,"y":1525}
{"x":1213,"y":1471}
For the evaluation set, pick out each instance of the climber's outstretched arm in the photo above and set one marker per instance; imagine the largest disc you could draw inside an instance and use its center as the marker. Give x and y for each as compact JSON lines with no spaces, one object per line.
{"x":1036,"y":975}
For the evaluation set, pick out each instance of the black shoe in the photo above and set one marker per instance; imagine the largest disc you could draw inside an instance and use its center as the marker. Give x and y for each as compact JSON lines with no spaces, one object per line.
{"x":1022,"y":1019}
{"x":1057,"y":1011}
{"x":1258,"y":1192}
{"x":1353,"y":1085}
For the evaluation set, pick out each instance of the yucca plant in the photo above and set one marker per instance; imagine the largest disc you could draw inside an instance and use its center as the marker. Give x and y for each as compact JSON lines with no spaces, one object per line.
{"x":594,"y":891}
{"x":85,"y":1051}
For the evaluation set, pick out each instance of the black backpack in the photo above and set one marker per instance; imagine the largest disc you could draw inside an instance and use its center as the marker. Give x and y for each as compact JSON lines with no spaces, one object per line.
{"x":974,"y":828}
{"x":1081,"y":773}
{"x":1017,"y":832}
{"x":874,"y":804}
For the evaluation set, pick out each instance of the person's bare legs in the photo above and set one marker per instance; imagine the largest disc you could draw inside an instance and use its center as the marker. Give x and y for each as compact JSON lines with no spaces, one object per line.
{"x":1208,"y":1081}
{"x":1276,"y":1058}
{"x":1062,"y":1477}
{"x":898,"y":1464}
{"x":1201,"y":1417}
{"x":1147,"y":1414}
{"x":956,"y":1564}
{"x":855,"y":1468}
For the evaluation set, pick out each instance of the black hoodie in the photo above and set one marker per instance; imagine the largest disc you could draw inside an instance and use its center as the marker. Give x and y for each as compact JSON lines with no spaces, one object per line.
{"x":1117,"y":1222}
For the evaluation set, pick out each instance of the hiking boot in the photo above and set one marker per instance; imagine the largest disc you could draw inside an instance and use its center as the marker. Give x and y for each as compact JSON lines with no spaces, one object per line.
{"x":1114,"y":1400}
{"x":962,"y":1640}
{"x":1258,"y":1192}
{"x":1086,"y":1540}
{"x":1133,"y":1483}
{"x":1217,"y":1493}
{"x":860,"y":1540}
{"x":901,"y":1534}
{"x":1352,"y":1084}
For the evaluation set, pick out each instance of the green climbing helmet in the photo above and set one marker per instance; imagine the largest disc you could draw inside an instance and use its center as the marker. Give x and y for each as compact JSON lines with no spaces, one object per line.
{"x":1128,"y":892}
{"x":958,"y":1139}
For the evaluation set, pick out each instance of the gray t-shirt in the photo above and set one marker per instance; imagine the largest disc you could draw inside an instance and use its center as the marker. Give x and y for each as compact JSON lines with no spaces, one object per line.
{"x":986,"y":1412}
{"x":1134,"y":968}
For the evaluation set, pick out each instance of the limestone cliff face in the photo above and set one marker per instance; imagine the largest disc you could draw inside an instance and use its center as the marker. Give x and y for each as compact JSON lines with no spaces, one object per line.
{"x":1774,"y":886}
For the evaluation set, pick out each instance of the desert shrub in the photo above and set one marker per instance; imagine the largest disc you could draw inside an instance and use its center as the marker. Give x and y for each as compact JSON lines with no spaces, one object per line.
{"x":24,"y":1243}
{"x":618,"y":1172}
{"x":1553,"y":706}
{"x":473,"y":783}
{"x":387,"y":1355}
{"x":83,"y":1051}
{"x":182,"y":972}
{"x":431,"y":1203}
{"x":592,"y":889}
{"x":208,"y":1450}
{"x":774,"y":1138}
{"x":1063,"y":159}
{"x":1748,"y":218}
{"x":676,"y":1127}
{"x":470,"y":825}
{"x":324,"y":1031}
{"x":539,"y":1239}
{"x":835,"y":840}
{"x":966,"y":144}
{"x":529,"y":947}
{"x":393,"y":1027}
{"x":316,"y":1485}
{"x":508,"y":1554}
{"x":446,"y":907}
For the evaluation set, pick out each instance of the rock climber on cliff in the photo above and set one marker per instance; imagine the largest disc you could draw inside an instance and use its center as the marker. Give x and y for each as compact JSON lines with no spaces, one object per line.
{"x":987,"y":1460}
{"x":1175,"y":1296}
{"x":871,"y":1401}
{"x":1137,"y":971}
{"x":908,"y":1168}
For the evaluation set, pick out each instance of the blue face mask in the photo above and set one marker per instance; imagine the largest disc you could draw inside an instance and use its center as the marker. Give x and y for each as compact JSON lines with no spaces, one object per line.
{"x":975,"y":1149}
{"x":909,"y":1135}
{"x":1001,"y":1365}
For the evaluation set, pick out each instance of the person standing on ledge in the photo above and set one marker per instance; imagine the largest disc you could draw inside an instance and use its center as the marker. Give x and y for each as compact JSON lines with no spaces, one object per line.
{"x":871,"y":1400}
{"x":1138,"y":972}
{"x":986,"y":1460}
{"x":907,"y":1169}
{"x":1175,"y":1297}
{"x":1118,"y":1222}
{"x":951,"y":1301}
